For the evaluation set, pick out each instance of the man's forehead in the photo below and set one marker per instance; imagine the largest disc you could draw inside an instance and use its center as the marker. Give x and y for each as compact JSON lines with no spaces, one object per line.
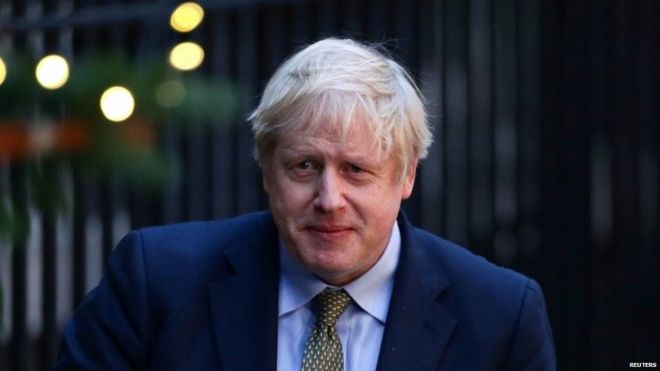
{"x":357,"y":132}
{"x":333,"y":130}
{"x":311,"y":141}
{"x":354,"y":148}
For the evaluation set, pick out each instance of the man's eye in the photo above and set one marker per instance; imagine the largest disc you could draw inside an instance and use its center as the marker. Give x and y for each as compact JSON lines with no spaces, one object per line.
{"x":304,"y":165}
{"x":355,"y":169}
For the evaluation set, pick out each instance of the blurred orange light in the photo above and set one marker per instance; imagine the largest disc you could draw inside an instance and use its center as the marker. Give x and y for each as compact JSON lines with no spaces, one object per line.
{"x":186,"y":56}
{"x":186,"y":17}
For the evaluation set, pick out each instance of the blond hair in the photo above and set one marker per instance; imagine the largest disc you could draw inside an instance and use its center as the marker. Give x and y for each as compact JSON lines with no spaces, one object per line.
{"x":344,"y":83}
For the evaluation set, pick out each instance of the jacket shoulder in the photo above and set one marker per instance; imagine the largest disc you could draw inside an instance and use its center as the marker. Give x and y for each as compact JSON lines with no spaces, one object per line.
{"x":490,"y":302}
{"x":170,"y":253}
{"x":199,"y":236}
{"x":471,"y":275}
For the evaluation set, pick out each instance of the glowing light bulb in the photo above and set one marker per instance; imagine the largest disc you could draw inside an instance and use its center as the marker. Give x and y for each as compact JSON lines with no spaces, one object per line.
{"x":3,"y":71}
{"x":186,"y":17}
{"x":117,"y":103}
{"x":186,"y":56}
{"x":52,"y":72}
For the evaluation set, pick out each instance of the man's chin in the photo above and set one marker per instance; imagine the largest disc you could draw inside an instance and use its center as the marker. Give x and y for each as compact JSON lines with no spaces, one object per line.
{"x":335,"y":268}
{"x":333,"y":275}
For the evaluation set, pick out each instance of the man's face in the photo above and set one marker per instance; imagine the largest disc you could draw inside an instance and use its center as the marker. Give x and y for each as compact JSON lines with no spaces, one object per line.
{"x":334,"y":202}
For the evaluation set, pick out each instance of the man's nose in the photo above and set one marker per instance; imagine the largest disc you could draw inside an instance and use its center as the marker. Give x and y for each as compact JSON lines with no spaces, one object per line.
{"x":329,"y":193}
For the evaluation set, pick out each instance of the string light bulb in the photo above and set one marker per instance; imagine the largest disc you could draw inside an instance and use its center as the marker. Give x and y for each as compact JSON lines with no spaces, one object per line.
{"x":186,"y":56}
{"x":117,"y":103}
{"x":186,"y":17}
{"x":52,"y":71}
{"x":3,"y":71}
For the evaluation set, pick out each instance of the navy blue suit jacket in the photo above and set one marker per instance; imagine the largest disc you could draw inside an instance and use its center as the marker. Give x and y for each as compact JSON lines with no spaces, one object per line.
{"x":204,"y":296}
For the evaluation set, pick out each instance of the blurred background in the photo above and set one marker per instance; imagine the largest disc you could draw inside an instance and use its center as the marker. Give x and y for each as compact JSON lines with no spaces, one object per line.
{"x":120,"y":114}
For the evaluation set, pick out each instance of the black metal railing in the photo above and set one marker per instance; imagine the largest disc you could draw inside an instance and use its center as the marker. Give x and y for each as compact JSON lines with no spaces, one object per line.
{"x":545,"y":159}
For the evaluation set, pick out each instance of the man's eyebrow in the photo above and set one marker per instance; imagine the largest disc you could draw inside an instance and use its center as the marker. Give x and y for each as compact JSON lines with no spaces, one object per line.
{"x":299,"y":149}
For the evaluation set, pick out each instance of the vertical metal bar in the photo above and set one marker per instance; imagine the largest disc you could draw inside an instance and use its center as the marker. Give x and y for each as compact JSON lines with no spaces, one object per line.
{"x":456,"y":118}
{"x":19,"y":343}
{"x":108,"y":200}
{"x":79,"y":236}
{"x":377,"y":22}
{"x":601,"y":211}
{"x":565,"y":148}
{"x":326,"y":18}
{"x":481,"y":199}
{"x":552,"y":81}
{"x":404,"y":32}
{"x":431,"y":183}
{"x":528,"y":143}
{"x":505,"y":133}
{"x":138,"y":208}
{"x":49,"y":336}
{"x":648,"y":80}
{"x":195,"y":173}
{"x":171,"y":199}
{"x":276,"y":39}
{"x":301,"y":24}
{"x":247,"y":179}
{"x":181,"y":139}
{"x":5,"y":268}
{"x":625,"y":132}
{"x":408,"y":52}
{"x":221,"y":197}
{"x":352,"y":19}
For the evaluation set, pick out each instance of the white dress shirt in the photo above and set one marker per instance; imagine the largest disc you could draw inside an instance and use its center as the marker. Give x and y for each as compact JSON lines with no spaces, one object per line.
{"x":360,"y":327}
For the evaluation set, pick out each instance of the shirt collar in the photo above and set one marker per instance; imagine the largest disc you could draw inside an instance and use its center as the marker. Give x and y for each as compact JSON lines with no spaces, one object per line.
{"x":371,"y":291}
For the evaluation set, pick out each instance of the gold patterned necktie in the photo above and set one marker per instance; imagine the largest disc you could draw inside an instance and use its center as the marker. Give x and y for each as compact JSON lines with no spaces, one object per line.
{"x":323,"y":351}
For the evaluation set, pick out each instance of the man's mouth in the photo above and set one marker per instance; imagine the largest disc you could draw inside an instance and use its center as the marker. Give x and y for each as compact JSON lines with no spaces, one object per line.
{"x":330,"y":231}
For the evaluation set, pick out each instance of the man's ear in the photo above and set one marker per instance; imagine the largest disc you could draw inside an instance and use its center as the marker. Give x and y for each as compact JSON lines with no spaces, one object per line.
{"x":409,"y":181}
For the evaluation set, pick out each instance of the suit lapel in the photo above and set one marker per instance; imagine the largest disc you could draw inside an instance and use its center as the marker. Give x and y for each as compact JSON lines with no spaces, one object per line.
{"x":418,"y":327}
{"x":244,"y":302}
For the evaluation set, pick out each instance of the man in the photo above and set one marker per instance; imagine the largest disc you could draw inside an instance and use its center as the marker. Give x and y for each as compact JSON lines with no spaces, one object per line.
{"x":334,"y":276}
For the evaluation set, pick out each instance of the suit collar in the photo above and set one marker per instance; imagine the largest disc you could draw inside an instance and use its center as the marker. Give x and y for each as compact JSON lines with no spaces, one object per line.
{"x":418,"y":326}
{"x":244,"y":300}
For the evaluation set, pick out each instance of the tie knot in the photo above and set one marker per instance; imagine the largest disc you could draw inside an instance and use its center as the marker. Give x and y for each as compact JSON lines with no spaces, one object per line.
{"x":331,"y":304}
